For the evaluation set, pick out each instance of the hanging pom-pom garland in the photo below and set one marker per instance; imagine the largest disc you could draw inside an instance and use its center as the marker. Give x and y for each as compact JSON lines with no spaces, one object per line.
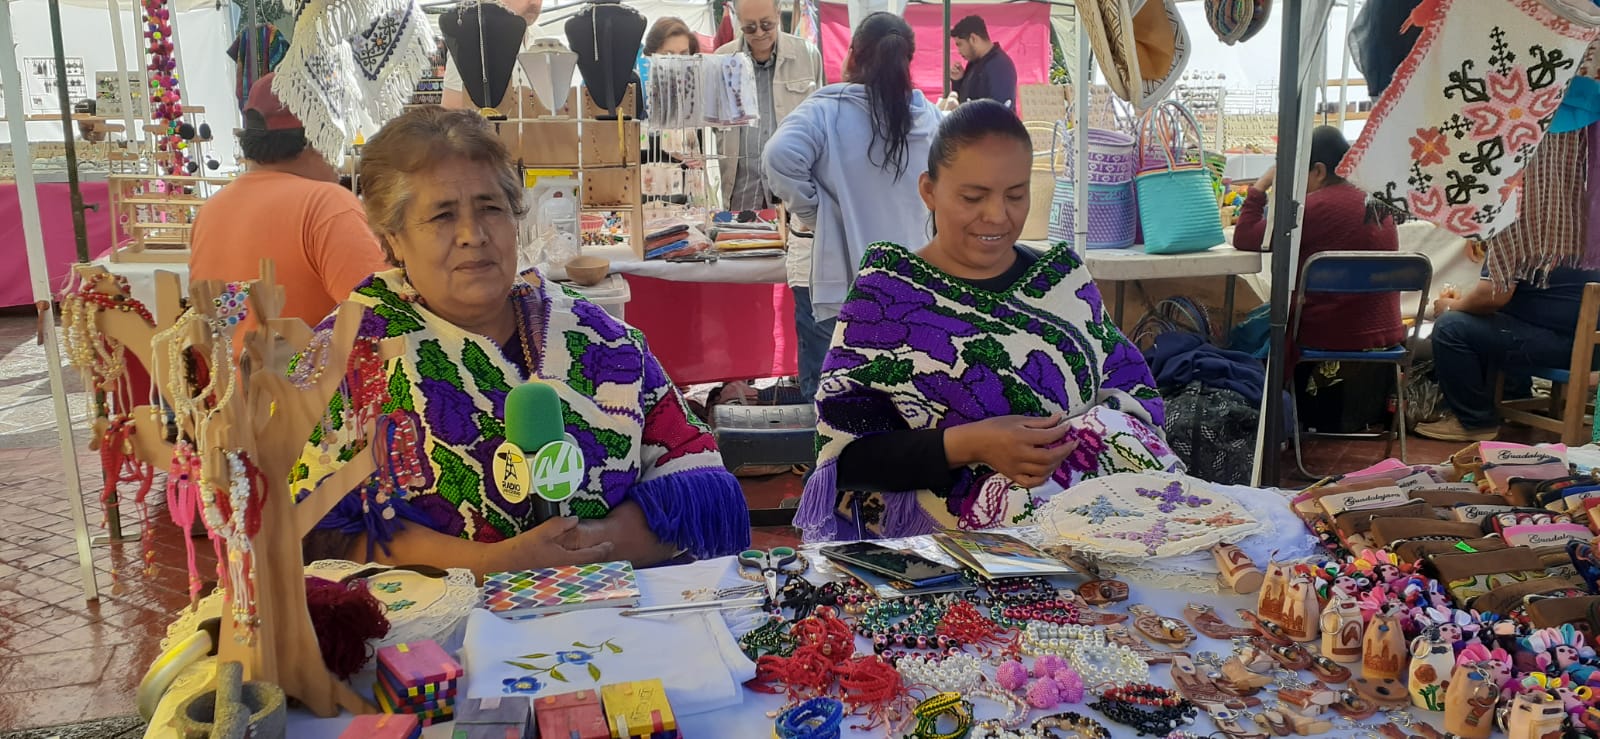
{"x":165,"y":99}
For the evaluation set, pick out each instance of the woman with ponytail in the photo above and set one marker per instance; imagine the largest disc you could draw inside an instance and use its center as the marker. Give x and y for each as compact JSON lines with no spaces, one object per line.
{"x":845,"y":164}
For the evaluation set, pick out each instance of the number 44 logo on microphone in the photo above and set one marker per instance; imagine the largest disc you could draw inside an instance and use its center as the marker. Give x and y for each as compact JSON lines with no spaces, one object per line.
{"x":555,"y":472}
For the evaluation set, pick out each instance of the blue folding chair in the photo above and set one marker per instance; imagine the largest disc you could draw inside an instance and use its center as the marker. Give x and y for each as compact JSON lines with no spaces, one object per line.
{"x":1363,"y":273}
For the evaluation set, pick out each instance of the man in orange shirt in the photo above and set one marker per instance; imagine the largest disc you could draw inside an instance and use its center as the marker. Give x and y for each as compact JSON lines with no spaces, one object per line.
{"x":288,"y":207}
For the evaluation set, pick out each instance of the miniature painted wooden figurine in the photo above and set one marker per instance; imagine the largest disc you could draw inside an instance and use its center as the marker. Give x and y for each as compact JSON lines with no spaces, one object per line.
{"x":1383,"y":649}
{"x":1535,"y":715}
{"x":1432,"y":661}
{"x":1342,"y":629}
{"x":1469,"y":704}
{"x":1238,"y":572}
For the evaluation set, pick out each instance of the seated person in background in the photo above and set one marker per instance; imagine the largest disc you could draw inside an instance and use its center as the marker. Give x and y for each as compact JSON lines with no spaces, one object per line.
{"x":972,"y":379}
{"x":444,"y":196}
{"x":1338,"y":217}
{"x":1485,"y":332}
{"x":288,"y":207}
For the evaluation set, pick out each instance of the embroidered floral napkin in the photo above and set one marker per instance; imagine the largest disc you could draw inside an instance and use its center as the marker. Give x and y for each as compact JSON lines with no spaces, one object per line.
{"x":694,"y":654}
{"x":1129,"y":517}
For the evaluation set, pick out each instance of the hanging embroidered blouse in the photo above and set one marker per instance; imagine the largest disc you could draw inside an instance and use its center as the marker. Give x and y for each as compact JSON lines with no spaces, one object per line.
{"x":1448,"y":141}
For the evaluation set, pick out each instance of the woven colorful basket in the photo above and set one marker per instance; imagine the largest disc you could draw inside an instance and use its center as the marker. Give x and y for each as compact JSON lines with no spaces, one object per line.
{"x":1113,"y":217}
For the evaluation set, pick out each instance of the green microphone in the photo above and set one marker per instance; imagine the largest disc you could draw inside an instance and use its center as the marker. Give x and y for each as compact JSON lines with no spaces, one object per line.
{"x":537,"y":459}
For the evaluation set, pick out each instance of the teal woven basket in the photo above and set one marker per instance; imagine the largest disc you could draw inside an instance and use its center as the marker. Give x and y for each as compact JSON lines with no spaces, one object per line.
{"x":1177,"y":205}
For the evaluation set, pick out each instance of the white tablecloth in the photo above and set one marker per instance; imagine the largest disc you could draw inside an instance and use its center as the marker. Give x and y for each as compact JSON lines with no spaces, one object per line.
{"x":750,"y":720}
{"x":755,"y":270}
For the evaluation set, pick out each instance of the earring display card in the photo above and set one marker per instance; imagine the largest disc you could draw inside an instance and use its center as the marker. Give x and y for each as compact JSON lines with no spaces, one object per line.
{"x":696,"y":91}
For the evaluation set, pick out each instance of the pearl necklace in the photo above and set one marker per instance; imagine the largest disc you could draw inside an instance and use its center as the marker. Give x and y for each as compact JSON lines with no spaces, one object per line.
{"x":1048,"y":638}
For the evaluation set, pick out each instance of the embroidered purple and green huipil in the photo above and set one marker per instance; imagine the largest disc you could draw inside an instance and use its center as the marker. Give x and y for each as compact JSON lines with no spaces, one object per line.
{"x":918,"y":349}
{"x":638,"y":439}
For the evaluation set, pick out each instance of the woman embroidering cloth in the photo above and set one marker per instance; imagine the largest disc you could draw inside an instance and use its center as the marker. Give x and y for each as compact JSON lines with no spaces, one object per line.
{"x":443,"y":196}
{"x":971,"y":380}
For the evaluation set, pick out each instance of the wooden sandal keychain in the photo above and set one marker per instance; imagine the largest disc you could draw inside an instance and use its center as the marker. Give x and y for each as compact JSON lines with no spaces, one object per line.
{"x":1165,"y":631}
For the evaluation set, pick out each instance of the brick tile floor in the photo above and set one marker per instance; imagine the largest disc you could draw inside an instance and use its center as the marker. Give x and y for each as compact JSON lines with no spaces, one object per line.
{"x":64,"y":659}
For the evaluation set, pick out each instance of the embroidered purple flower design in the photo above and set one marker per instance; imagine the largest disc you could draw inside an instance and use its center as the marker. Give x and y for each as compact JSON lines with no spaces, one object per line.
{"x":1086,"y":457}
{"x":449,"y":412}
{"x":1045,"y":377}
{"x":1172,"y":496}
{"x":1152,"y":538}
{"x":596,"y":319}
{"x":1091,"y":295}
{"x":622,"y":365}
{"x":1125,"y":368}
{"x":976,"y":395}
{"x":889,"y":314}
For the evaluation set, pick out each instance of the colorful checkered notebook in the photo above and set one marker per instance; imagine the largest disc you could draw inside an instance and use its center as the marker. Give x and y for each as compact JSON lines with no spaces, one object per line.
{"x":556,"y":589}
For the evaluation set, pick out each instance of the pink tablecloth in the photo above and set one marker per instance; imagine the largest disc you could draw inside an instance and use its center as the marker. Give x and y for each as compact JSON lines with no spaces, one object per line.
{"x":715,"y":332}
{"x":55,"y":214}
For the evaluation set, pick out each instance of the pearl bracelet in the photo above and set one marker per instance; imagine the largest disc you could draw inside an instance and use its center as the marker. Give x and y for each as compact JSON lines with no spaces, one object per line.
{"x":958,"y":673}
{"x":1043,"y":638}
{"x":1101,"y":664}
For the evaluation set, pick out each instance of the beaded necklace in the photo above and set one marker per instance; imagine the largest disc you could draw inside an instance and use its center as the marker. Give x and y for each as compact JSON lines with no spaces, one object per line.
{"x":233,"y":521}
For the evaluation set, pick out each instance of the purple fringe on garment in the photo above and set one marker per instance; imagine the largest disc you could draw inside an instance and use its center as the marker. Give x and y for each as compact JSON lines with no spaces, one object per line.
{"x":904,"y":516}
{"x":818,"y":518}
{"x":701,"y":510}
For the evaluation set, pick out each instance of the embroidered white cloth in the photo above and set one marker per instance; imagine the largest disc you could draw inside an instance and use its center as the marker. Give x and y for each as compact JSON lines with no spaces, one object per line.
{"x":694,"y":654}
{"x":352,"y":66}
{"x":1131,"y":516}
{"x":1449,"y":138}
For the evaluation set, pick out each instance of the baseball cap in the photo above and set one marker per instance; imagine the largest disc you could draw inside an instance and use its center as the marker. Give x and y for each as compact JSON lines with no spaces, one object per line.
{"x":265,"y":102}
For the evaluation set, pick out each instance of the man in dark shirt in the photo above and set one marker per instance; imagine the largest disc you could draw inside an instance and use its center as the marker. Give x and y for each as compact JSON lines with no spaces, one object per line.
{"x":990,"y":73}
{"x":1485,"y":332}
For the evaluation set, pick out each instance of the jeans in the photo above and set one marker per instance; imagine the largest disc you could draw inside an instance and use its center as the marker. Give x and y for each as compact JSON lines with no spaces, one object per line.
{"x":814,"y":337}
{"x":1469,"y":351}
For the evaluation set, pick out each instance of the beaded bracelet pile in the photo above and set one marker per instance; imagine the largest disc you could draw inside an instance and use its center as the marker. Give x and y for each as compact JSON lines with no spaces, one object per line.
{"x":958,"y":673}
{"x":931,"y":710}
{"x":1046,"y":638}
{"x":1099,"y":663}
{"x":1016,"y":601}
{"x":1147,"y":708}
{"x":1077,"y":724}
{"x":918,"y":628}
{"x":818,"y":718}
{"x":771,"y":637}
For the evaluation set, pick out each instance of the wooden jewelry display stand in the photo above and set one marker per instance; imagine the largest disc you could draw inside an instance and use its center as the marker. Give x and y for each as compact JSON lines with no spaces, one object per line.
{"x":268,"y":419}
{"x":603,"y":153}
{"x":136,"y":335}
{"x":156,"y":225}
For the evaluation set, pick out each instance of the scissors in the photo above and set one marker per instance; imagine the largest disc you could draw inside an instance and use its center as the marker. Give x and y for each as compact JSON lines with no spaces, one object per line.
{"x":769,"y":563}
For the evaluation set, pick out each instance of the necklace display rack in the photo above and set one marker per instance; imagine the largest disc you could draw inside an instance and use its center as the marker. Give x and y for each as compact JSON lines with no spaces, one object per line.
{"x":107,"y":330}
{"x":245,"y":452}
{"x":581,"y":138}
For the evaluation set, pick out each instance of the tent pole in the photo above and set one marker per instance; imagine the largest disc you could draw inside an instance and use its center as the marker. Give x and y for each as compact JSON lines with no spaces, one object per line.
{"x":80,"y":231}
{"x":945,"y":39}
{"x":1344,"y":64}
{"x":39,"y":274}
{"x":1295,"y":115}
{"x":114,"y":9}
{"x":1082,"y":91}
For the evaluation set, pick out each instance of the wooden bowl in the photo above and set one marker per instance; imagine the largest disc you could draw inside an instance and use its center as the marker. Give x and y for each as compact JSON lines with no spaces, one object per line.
{"x":588,"y":271}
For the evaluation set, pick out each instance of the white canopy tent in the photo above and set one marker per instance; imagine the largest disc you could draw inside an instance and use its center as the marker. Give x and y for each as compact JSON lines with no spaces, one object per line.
{"x":204,"y":35}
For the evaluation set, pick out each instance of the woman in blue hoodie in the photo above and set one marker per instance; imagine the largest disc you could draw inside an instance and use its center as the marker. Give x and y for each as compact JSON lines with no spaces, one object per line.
{"x":846,"y":163}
